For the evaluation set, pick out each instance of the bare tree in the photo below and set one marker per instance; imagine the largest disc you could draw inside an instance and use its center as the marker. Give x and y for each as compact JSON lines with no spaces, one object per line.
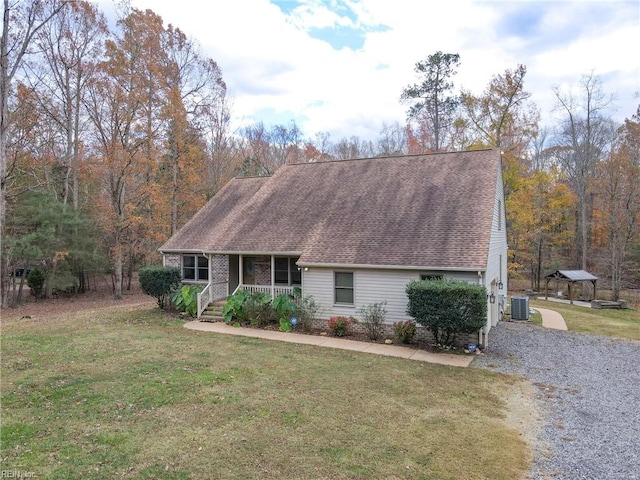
{"x":222,"y":149}
{"x":70,"y":46}
{"x":585,"y":135}
{"x":392,"y":140}
{"x":267,"y":148}
{"x":352,"y":147}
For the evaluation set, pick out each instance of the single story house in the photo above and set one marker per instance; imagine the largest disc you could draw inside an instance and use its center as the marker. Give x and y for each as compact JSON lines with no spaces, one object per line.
{"x":354,"y":232}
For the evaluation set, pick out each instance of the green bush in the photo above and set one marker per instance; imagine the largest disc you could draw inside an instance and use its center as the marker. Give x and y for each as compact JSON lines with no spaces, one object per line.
{"x":35,"y":281}
{"x":306,"y":311}
{"x":233,"y":309}
{"x":340,"y":325}
{"x":372,"y":317}
{"x":258,"y":309}
{"x":186,"y":300}
{"x":447,"y":308}
{"x":245,"y":306}
{"x":405,"y":331}
{"x":159,"y":282}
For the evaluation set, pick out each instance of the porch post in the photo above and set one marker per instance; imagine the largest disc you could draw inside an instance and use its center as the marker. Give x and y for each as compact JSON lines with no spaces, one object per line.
{"x":273,"y":275}
{"x":546,"y":289}
{"x":570,"y":292}
{"x":210,"y":265}
{"x":240,"y":279}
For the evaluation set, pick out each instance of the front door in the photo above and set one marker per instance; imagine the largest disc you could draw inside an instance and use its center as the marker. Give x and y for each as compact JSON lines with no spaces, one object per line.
{"x":249,"y":270}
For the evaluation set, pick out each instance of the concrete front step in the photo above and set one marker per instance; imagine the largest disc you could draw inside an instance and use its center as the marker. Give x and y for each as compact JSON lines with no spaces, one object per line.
{"x":213,"y":313}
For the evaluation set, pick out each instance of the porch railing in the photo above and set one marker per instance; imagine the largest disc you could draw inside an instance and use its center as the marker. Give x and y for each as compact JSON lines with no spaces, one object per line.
{"x":210,"y":293}
{"x":274,"y":290}
{"x":204,"y":298}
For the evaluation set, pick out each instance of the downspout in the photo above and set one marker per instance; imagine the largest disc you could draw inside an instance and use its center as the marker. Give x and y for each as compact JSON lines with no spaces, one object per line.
{"x":482,"y":331}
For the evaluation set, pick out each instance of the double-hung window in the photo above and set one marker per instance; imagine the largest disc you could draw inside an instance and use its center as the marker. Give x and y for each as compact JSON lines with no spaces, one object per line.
{"x":195,"y":268}
{"x":431,"y":276}
{"x":287,"y":272}
{"x":343,"y":287}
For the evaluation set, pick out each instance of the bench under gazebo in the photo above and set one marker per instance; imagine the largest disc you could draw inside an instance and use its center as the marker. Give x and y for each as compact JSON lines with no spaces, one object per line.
{"x":571,"y":277}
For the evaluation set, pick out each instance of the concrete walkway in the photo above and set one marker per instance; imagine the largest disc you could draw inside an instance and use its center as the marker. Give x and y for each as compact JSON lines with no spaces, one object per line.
{"x":333,"y":342}
{"x":552,"y":319}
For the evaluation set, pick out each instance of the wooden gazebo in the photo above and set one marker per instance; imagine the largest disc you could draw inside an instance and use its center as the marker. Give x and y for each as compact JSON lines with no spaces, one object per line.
{"x":571,"y":277}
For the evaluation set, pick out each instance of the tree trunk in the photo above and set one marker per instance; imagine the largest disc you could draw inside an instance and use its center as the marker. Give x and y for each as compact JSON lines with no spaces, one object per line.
{"x":4,"y":125}
{"x":584,"y":233}
{"x":117,"y":272}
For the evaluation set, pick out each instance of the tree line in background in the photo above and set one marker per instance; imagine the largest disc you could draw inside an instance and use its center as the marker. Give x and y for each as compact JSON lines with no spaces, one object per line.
{"x":111,"y":139}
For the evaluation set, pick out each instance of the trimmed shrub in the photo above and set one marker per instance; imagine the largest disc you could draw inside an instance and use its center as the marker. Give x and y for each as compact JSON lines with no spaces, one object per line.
{"x":160,"y":282}
{"x":447,"y":307}
{"x":372,"y":317}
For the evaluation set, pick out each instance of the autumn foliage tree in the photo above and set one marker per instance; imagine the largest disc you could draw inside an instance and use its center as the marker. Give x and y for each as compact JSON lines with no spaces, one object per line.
{"x":618,"y":200}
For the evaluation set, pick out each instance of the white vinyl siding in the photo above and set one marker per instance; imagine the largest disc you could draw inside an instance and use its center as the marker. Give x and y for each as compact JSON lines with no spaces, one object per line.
{"x":497,"y":260}
{"x":370,"y":286}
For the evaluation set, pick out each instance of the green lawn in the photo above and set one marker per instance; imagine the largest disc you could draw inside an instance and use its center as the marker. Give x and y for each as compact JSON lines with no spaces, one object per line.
{"x":609,"y":322}
{"x":126,"y":393}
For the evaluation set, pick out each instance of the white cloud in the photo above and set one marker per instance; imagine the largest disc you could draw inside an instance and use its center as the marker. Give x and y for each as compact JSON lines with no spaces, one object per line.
{"x":270,"y":62}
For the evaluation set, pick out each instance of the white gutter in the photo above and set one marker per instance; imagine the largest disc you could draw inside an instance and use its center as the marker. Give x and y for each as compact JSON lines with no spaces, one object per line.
{"x":384,"y":267}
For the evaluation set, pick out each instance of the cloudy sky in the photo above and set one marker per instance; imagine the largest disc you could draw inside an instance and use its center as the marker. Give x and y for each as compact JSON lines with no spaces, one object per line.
{"x":339,"y":66}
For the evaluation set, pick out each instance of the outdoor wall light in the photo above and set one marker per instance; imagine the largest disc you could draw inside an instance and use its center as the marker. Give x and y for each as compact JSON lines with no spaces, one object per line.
{"x":492,"y":298}
{"x":500,"y":285}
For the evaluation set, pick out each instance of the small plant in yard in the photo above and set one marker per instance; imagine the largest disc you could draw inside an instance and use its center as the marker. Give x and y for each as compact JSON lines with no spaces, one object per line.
{"x":405,"y":331}
{"x":306,"y":310}
{"x":186,"y":300}
{"x":234,"y":308}
{"x":373,"y":319}
{"x":286,"y":325}
{"x":339,"y":326}
{"x":285,"y":308}
{"x":258,"y":309}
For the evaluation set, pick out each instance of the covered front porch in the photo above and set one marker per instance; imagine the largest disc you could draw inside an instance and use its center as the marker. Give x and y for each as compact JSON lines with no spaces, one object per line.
{"x":271,"y":274}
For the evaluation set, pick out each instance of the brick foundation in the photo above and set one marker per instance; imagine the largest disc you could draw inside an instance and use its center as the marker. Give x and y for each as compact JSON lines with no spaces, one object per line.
{"x":422,"y":333}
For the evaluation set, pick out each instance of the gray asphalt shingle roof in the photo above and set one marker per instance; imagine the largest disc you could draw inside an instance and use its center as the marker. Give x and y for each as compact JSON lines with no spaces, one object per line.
{"x":431,"y":211}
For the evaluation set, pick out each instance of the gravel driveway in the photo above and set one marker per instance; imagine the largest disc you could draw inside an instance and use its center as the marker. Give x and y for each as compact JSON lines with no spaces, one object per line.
{"x":588,"y":390}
